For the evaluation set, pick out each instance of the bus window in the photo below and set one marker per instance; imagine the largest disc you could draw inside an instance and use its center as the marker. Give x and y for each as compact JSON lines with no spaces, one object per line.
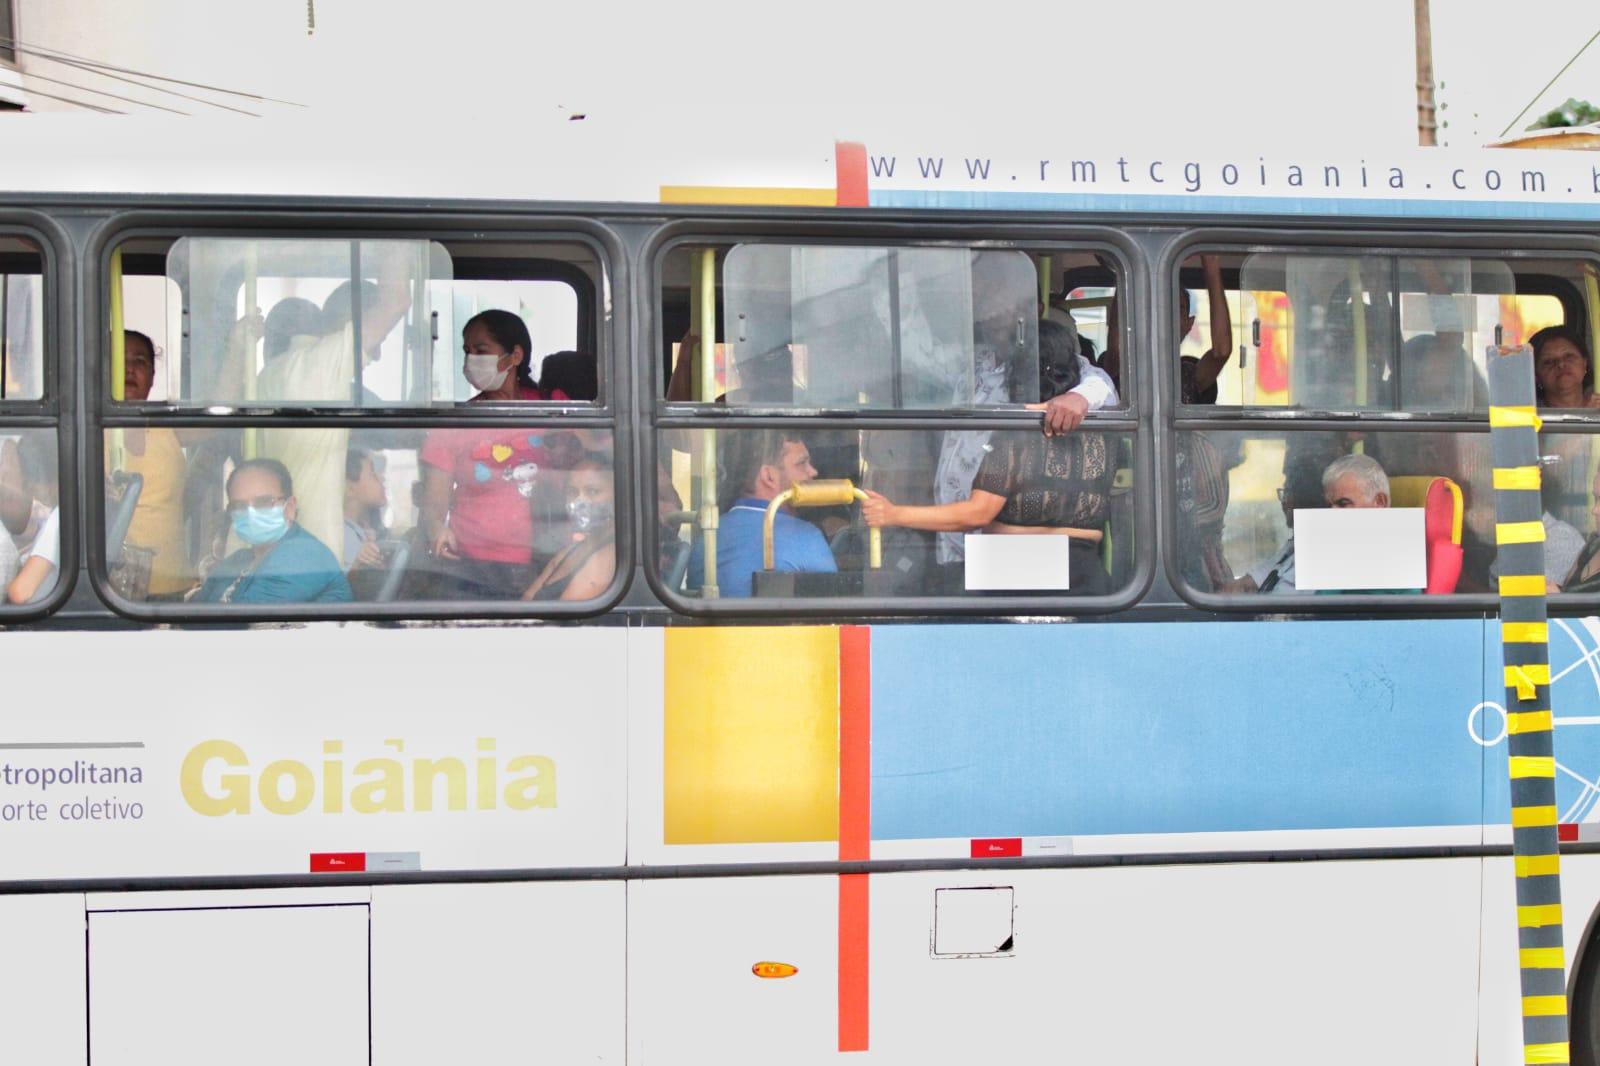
{"x":1236,"y":535}
{"x":31,"y":556}
{"x":21,"y":320}
{"x":1418,"y":344}
{"x":446,"y":514}
{"x":836,"y":327}
{"x":472,"y":505}
{"x":858,"y":515}
{"x":933,"y":507}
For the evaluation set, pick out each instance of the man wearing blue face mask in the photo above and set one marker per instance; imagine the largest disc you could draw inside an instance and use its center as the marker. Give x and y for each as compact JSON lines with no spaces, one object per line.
{"x":281,"y":562}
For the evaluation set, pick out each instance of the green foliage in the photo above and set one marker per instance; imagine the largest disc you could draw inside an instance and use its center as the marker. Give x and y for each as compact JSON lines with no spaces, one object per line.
{"x":1572,"y":113}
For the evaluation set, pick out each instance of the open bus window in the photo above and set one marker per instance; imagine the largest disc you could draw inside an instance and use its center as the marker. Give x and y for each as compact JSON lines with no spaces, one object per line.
{"x":450,"y":514}
{"x":30,"y":516}
{"x":270,"y":322}
{"x":836,"y":327}
{"x":21,"y":320}
{"x":1238,"y":493}
{"x":1371,"y":332}
{"x":1049,"y":516}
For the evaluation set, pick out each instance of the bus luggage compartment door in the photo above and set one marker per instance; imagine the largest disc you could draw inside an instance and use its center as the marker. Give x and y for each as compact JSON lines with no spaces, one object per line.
{"x":241,"y":985}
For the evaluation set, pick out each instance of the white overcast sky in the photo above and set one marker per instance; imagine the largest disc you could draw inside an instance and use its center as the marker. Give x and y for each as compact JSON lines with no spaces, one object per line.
{"x":1231,"y":72}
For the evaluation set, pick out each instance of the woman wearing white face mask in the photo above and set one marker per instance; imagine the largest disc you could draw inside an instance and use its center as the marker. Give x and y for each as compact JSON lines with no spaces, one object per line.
{"x":477,"y":483}
{"x":584,"y":568}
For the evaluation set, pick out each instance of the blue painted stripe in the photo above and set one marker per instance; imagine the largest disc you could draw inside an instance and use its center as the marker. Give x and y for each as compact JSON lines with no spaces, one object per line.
{"x":1232,"y":205}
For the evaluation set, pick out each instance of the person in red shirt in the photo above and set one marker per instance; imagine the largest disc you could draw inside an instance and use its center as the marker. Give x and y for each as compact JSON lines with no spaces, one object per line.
{"x":480,"y":485}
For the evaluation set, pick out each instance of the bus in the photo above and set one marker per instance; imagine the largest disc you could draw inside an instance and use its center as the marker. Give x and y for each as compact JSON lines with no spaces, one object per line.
{"x":583,"y":608}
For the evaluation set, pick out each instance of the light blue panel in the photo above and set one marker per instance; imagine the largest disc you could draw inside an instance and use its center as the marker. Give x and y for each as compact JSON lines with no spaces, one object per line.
{"x":1044,"y":730}
{"x":977,"y":200}
{"x":1575,"y":699}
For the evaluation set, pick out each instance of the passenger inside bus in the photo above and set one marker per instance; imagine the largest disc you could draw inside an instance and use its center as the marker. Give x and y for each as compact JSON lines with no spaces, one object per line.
{"x":1563,"y":370}
{"x":33,"y":496}
{"x":156,"y":454}
{"x":281,"y":562}
{"x":1436,"y":374}
{"x":572,"y":374}
{"x":583,"y":569}
{"x":1030,"y":483}
{"x":1584,"y":573}
{"x":1348,"y":481}
{"x":480,"y":484}
{"x":1302,"y":487}
{"x":364,"y":501}
{"x":1563,"y":544}
{"x":762,"y":464}
{"x":1198,"y":376}
{"x":321,"y":368}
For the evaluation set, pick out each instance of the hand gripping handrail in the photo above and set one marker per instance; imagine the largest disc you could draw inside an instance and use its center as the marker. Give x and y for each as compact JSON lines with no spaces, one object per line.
{"x":830,"y":492}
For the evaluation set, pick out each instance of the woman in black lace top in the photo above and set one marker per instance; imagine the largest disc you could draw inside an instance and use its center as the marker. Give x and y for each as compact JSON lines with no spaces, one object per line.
{"x":1030,"y":483}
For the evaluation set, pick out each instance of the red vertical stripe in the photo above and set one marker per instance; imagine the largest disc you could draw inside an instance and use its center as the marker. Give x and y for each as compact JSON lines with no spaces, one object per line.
{"x":850,"y":173}
{"x":855,"y":829}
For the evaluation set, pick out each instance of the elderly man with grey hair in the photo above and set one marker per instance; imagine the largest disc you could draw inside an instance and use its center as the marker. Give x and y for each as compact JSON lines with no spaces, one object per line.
{"x":1348,"y":481}
{"x":1355,"y":481}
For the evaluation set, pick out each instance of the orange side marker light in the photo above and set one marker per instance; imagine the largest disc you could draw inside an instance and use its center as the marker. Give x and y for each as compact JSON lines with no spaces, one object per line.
{"x":774,"y":969}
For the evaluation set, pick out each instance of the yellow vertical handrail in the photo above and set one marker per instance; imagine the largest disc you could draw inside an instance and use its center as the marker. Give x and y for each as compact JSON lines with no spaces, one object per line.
{"x":1044,"y":285}
{"x":704,"y":308}
{"x":252,"y":439}
{"x":1359,"y":311}
{"x":116,"y":452}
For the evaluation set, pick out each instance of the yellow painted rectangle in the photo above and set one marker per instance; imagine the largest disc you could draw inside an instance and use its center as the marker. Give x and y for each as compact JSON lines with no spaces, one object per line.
{"x":1535,"y":917}
{"x":1541,"y":1054}
{"x":1522,"y":585}
{"x":751,"y":738}
{"x":754,"y":195}
{"x":1513,"y":417}
{"x":1532,"y":817}
{"x":1533,"y":766}
{"x":1532,"y":674}
{"x":1517,"y":477}
{"x":1525,"y":632}
{"x":1538,"y":866}
{"x":1519,"y":722}
{"x":1543,"y":1006}
{"x":1542,"y":958}
{"x":1519,"y":533}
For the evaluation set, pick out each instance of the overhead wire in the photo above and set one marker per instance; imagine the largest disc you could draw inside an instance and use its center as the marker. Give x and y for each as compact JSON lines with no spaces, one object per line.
{"x":32,"y":76}
{"x":67,"y":57}
{"x":153,"y":88}
{"x":79,"y":103}
{"x":1549,"y":83}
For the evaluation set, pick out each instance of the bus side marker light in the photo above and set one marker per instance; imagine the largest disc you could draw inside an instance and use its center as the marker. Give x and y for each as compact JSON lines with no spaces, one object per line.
{"x":774,"y":969}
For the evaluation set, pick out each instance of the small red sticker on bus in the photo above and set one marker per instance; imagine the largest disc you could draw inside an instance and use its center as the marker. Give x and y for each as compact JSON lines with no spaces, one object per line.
{"x":1567,"y":831}
{"x":339,"y":862}
{"x":999,"y":848}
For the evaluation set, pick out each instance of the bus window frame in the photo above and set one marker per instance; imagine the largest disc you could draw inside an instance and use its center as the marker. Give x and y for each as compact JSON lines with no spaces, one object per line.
{"x":56,"y":408}
{"x":790,"y":226}
{"x":609,"y":412}
{"x":1174,"y":419}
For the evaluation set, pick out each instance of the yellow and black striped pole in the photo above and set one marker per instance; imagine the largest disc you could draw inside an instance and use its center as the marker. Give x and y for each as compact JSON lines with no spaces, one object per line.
{"x":1519,"y":539}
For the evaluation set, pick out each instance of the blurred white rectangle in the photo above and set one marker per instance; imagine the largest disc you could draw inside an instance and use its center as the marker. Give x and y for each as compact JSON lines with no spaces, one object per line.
{"x":1363,"y":549}
{"x":1017,"y":562}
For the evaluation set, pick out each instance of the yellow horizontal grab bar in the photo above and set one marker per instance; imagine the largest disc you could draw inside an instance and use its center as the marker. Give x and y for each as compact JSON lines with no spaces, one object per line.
{"x":831,"y":492}
{"x":834,"y":492}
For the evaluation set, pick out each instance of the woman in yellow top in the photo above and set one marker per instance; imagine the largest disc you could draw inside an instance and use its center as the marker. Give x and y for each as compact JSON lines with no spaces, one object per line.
{"x":155,"y":454}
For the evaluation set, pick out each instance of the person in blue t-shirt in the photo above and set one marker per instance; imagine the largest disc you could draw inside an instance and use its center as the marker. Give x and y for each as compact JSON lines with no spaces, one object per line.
{"x":768,"y":463}
{"x":281,"y":563}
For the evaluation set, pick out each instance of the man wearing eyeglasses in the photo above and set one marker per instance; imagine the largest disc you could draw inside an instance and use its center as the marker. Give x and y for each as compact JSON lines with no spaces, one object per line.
{"x":281,"y":562}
